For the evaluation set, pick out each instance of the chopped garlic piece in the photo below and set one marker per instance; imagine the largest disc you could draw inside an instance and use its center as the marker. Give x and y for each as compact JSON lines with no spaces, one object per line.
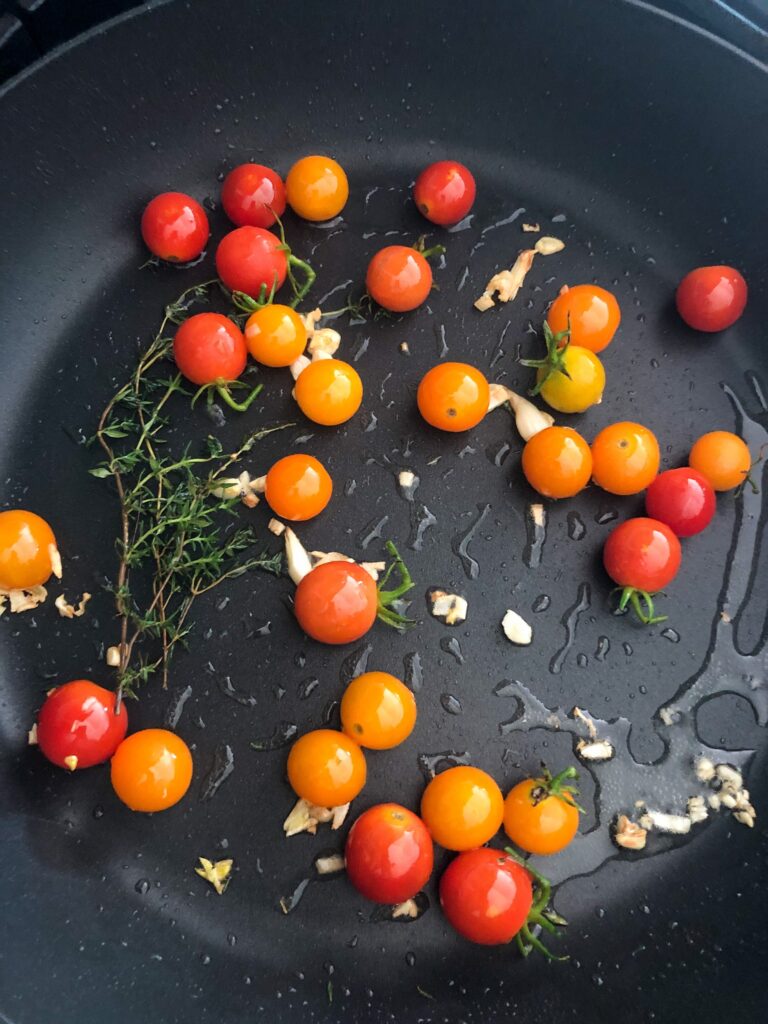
{"x":668,"y":715}
{"x":697,"y":809}
{"x":69,"y":611}
{"x":276,"y":527}
{"x":516,"y":628}
{"x":305,"y":817}
{"x":112,"y":656}
{"x":675,"y":824}
{"x":584,"y":717}
{"x":299,"y":563}
{"x":729,"y":776}
{"x":242,"y":487}
{"x":298,"y":366}
{"x":628,"y":834}
{"x":55,"y":557}
{"x":595,"y":750}
{"x":217,"y":873}
{"x":32,"y":736}
{"x":406,"y":478}
{"x":404,"y":347}
{"x":311,"y":320}
{"x":452,"y":608}
{"x":705,"y":769}
{"x":548,"y":246}
{"x":22,"y":599}
{"x":507,"y":283}
{"x":330,"y":865}
{"x":745,"y":818}
{"x":324,"y":342}
{"x":531,"y":227}
{"x":407,"y":909}
{"x":71,"y":762}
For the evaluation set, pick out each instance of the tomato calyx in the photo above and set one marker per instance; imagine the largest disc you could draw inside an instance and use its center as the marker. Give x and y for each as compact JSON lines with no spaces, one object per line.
{"x":554,"y":361}
{"x":299,"y":289}
{"x":434,"y":250}
{"x":641,"y":603}
{"x":559,"y":786}
{"x":223,"y":388}
{"x":540,"y":916}
{"x":387,"y":599}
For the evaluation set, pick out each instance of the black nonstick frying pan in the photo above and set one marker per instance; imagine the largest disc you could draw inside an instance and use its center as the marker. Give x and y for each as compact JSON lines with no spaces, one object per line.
{"x":642,"y":142}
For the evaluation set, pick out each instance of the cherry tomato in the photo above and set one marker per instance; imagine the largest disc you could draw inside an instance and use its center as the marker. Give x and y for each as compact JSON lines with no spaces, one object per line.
{"x":462,"y":807}
{"x":28,"y":551}
{"x":557,"y":462}
{"x":378,"y":711}
{"x":540,"y":815}
{"x":174,"y":227}
{"x":336,"y":602}
{"x":329,"y":391}
{"x":444,"y":192}
{"x":151,"y":770}
{"x":275,"y":335}
{"x":399,"y":278}
{"x":326,"y":768}
{"x":249,"y":259}
{"x":208,"y":347}
{"x":389,"y":854}
{"x":625,"y":458}
{"x":592,"y":313}
{"x":683,"y":499}
{"x":711,"y":298}
{"x":253,"y":194}
{"x":453,"y":396}
{"x":298,"y":487}
{"x":723,"y":458}
{"x":642,"y":554}
{"x":579,"y":387}
{"x":317,"y":188}
{"x":77,"y":726}
{"x":486,"y":895}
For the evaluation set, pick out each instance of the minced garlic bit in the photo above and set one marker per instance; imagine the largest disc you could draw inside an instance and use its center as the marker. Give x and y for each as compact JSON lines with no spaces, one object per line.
{"x":674,"y":824}
{"x":330,"y":865}
{"x":516,"y":628}
{"x":305,"y":817}
{"x":112,"y":656}
{"x":531,"y":227}
{"x":325,"y":341}
{"x":70,"y":611}
{"x":729,"y":790}
{"x":697,"y":809}
{"x":528,"y":419}
{"x":409,"y":908}
{"x":321,"y":557}
{"x":595,"y":750}
{"x":32,"y":736}
{"x":242,"y":487}
{"x":55,"y":557}
{"x":22,"y":599}
{"x":451,"y":608}
{"x":705,"y":769}
{"x":405,"y":348}
{"x":582,"y":716}
{"x":669,"y":715}
{"x":218,"y":873}
{"x":507,"y":283}
{"x":628,"y":834}
{"x":276,"y":527}
{"x":71,"y":762}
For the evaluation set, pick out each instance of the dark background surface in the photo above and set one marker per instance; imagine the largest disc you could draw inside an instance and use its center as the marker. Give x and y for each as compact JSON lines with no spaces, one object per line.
{"x":646,"y":177}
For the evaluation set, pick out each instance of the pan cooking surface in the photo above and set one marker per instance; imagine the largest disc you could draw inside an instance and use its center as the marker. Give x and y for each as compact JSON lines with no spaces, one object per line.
{"x":616,"y":130}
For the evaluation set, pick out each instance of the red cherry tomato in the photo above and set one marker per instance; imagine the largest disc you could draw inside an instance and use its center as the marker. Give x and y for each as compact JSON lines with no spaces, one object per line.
{"x":336,"y":603}
{"x":399,"y":278}
{"x":486,"y":896}
{"x":711,"y":298}
{"x":389,"y":854}
{"x":253,"y":194}
{"x":683,"y":499}
{"x":174,"y":227}
{"x":77,"y":726}
{"x":250,"y":258}
{"x":643,"y":554}
{"x":208,"y":347}
{"x":444,"y":192}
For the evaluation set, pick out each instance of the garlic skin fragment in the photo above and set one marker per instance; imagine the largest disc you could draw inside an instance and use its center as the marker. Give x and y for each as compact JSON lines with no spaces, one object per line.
{"x":628,"y":834}
{"x":528,"y":419}
{"x":69,"y":611}
{"x":217,"y":873}
{"x":55,"y":557}
{"x":507,"y":283}
{"x":299,"y":562}
{"x":516,"y":629}
{"x":548,"y":246}
{"x":22,"y":599}
{"x":305,"y":817}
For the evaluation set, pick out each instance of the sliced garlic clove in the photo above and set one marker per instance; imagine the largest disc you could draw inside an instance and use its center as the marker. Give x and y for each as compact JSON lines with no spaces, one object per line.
{"x":297,"y":557}
{"x":516,"y":628}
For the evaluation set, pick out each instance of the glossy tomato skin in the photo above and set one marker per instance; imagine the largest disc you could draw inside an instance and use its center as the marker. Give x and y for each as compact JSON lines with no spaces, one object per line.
{"x":275,"y":335}
{"x":249,"y":258}
{"x":378,"y":711}
{"x":445,"y":192}
{"x":462,"y":807}
{"x":174,"y":227}
{"x":683,"y":499}
{"x":557,"y":462}
{"x":254,"y":195}
{"x":317,"y":188}
{"x":591,"y":312}
{"x":723,"y":458}
{"x":208,"y":347}
{"x":389,"y":854}
{"x":711,"y":298}
{"x":486,"y":896}
{"x":625,"y":458}
{"x":336,"y":603}
{"x":329,"y":391}
{"x":298,"y":487}
{"x":453,"y":397}
{"x":78,"y":721}
{"x":151,"y":770}
{"x":326,"y":768}
{"x":536,"y":822}
{"x":26,"y":546}
{"x":642,"y":553}
{"x":399,"y":278}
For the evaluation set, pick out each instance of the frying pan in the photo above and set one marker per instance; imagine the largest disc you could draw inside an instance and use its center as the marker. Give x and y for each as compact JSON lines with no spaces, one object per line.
{"x":639,"y":140}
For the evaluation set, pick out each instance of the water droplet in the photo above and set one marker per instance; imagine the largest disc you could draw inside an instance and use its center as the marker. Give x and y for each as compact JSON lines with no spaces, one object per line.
{"x":570,"y":620}
{"x":98,"y":811}
{"x":412,"y":672}
{"x":372,"y":423}
{"x":498,"y":455}
{"x":536,"y":534}
{"x":179,"y":698}
{"x":542,"y":602}
{"x":300,"y":659}
{"x":354,"y":664}
{"x":421,"y":521}
{"x":431,"y":764}
{"x":451,"y":704}
{"x":350,"y":487}
{"x":281,"y":736}
{"x":410,"y":958}
{"x":143,"y":886}
{"x":289,"y":903}
{"x":582,"y":660}
{"x":628,"y":649}
{"x":442,"y":344}
{"x":671,"y":634}
{"x":247,"y":700}
{"x":307,"y":688}
{"x":460,"y":544}
{"x":222,"y":767}
{"x":643,"y":688}
{"x":259,"y":631}
{"x":603,"y":647}
{"x":371,"y":531}
{"x":606,"y":516}
{"x":232,"y":939}
{"x":576,"y":527}
{"x":205,"y":959}
{"x":451,"y":645}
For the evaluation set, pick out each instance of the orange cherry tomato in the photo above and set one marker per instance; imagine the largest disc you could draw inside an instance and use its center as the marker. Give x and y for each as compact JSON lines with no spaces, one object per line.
{"x":378,"y":711}
{"x":317,"y":188}
{"x":28,"y":552}
{"x":540,"y":815}
{"x":329,"y":391}
{"x":557,"y":462}
{"x":326,"y":768}
{"x":462,"y":808}
{"x":399,"y":278}
{"x":298,"y":487}
{"x":625,"y":458}
{"x":723,"y":458}
{"x":275,"y":335}
{"x":453,"y":396}
{"x":151,"y":770}
{"x":336,"y":603}
{"x":593,"y":313}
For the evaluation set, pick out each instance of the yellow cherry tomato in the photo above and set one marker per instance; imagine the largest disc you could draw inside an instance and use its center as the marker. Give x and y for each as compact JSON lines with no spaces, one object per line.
{"x":28,"y":552}
{"x":723,"y":458}
{"x":462,"y":808}
{"x":151,"y":770}
{"x":329,"y":391}
{"x":580,"y":389}
{"x":378,"y":711}
{"x":326,"y":768}
{"x":316,"y":188}
{"x":275,"y":335}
